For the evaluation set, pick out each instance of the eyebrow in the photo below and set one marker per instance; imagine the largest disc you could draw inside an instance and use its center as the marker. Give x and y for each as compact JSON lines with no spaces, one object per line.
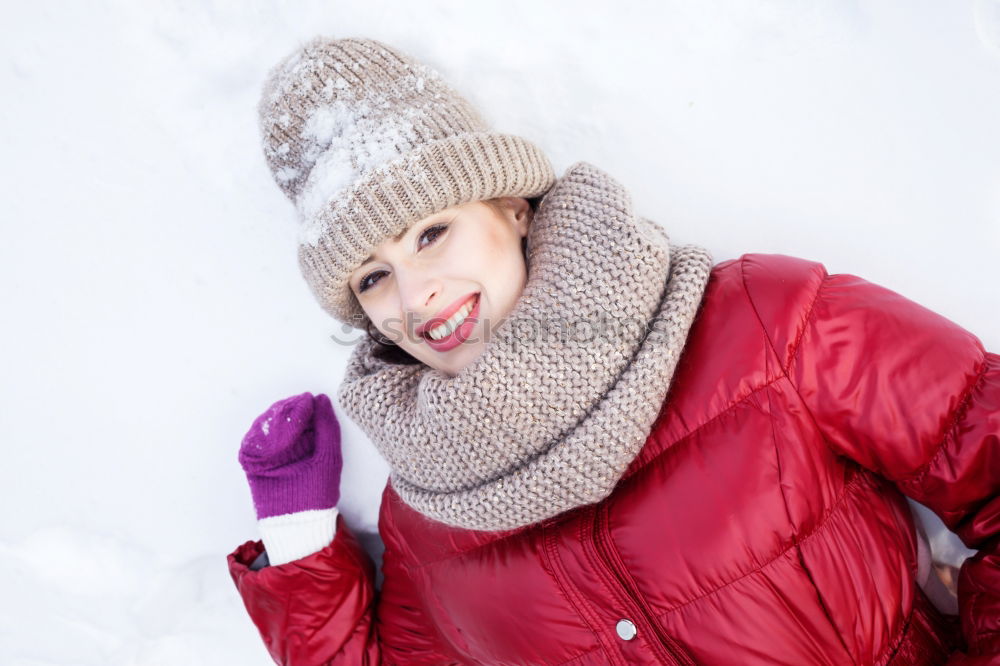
{"x":371,"y":257}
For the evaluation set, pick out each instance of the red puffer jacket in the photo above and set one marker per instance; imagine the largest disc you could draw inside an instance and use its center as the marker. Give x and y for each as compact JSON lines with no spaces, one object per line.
{"x":762,"y":522}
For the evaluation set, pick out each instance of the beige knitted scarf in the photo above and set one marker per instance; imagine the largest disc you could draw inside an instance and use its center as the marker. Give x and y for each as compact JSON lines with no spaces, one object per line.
{"x":563,"y":397}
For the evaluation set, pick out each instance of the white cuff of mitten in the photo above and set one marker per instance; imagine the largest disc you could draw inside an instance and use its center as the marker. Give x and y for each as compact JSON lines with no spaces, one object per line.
{"x":294,"y":535}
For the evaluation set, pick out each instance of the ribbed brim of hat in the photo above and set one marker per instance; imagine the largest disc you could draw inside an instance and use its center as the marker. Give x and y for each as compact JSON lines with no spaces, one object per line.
{"x":459,"y":169}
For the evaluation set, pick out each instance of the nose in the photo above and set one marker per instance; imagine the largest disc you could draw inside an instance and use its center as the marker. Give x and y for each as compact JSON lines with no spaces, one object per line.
{"x":418,"y":292}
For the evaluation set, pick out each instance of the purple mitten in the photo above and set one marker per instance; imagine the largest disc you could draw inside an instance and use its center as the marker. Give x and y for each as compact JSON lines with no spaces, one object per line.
{"x":292,"y":458}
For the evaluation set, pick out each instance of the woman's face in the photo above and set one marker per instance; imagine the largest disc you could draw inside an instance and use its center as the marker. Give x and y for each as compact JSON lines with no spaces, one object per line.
{"x":418,"y":289}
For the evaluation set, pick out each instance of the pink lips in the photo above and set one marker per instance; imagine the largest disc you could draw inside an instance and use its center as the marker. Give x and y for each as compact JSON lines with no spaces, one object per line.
{"x":459,"y":335}
{"x":442,"y":316}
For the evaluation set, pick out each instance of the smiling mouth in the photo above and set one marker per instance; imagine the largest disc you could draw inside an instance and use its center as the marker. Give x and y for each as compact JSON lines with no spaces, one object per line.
{"x":444,"y":329}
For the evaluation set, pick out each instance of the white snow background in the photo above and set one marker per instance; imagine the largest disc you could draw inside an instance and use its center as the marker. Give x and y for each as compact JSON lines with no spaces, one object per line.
{"x":152,"y":305}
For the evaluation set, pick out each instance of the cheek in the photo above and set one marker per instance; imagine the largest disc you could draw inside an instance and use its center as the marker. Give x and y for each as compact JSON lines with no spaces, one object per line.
{"x":504,"y":271}
{"x":491,"y":256}
{"x":469,"y":257}
{"x":506,"y":246}
{"x":381,"y":315}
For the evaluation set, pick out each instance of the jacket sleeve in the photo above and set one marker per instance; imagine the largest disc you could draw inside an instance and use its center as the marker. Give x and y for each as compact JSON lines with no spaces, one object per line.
{"x":323,"y":609}
{"x":914,"y":397}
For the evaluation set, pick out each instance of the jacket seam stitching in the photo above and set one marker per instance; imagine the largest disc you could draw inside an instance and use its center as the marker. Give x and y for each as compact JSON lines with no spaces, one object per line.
{"x":823,"y":605}
{"x":722,"y":412}
{"x":797,"y":344}
{"x":492,"y":542}
{"x":916,"y":477}
{"x":795,"y":540}
{"x":856,"y":481}
{"x":588,"y":546}
{"x":795,"y":349}
{"x":777,"y":460}
{"x":551,"y":554}
{"x":796,"y":544}
{"x":582,"y":654}
{"x":424,"y":563}
{"x":890,"y":650}
{"x":442,"y":645}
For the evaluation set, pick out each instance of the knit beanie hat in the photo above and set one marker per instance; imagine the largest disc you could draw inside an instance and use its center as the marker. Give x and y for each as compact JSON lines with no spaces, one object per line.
{"x":365,"y":142}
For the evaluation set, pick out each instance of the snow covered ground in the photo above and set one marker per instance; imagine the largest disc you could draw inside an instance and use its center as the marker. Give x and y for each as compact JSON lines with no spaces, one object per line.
{"x":151,"y":301}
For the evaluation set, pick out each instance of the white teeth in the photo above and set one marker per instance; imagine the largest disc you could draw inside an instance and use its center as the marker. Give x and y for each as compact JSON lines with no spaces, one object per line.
{"x":446,"y":329}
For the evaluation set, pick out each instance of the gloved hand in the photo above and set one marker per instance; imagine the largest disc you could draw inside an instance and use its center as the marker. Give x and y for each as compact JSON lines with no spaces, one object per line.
{"x":292,"y":457}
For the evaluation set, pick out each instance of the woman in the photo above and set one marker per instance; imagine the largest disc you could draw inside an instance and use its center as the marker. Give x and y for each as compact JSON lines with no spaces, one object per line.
{"x":550,"y":501}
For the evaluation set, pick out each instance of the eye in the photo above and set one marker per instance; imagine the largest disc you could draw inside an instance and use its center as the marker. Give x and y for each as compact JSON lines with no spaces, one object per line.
{"x":365,"y":285}
{"x":433,"y":232}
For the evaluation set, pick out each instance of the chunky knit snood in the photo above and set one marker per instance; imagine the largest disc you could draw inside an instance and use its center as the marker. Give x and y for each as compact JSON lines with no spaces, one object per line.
{"x":562,"y":399}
